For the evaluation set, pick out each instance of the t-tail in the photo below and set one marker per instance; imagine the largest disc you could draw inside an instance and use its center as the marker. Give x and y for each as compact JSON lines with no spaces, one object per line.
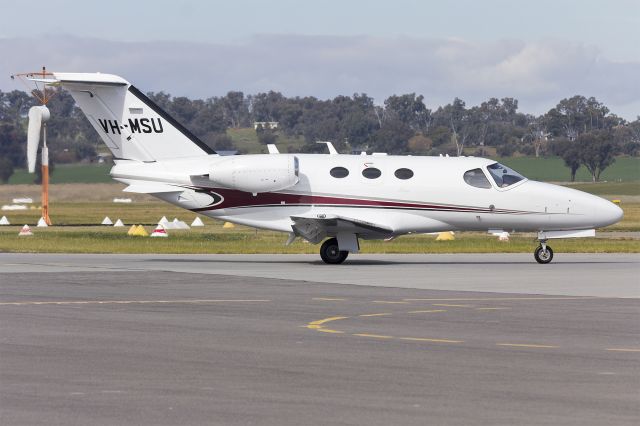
{"x":131,"y":125}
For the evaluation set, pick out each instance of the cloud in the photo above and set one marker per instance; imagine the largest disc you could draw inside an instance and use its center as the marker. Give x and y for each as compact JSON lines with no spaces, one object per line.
{"x":538,"y":74}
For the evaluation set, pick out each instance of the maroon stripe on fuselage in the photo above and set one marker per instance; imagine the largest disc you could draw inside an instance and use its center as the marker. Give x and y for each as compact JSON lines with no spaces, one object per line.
{"x":240,"y":199}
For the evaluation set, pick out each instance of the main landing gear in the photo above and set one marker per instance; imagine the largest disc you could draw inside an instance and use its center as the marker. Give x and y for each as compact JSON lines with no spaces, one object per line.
{"x":543,"y":253}
{"x":330,"y":252}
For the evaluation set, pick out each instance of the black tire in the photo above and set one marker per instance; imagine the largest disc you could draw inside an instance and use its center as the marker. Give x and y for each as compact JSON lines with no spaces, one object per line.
{"x":330,"y":252}
{"x":542,"y":257}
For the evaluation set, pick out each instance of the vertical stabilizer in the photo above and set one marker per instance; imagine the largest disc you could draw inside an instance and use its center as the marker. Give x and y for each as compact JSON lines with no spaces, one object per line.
{"x":129,"y":123}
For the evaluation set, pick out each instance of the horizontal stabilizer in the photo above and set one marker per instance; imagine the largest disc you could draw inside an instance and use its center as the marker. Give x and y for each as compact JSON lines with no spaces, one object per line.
{"x":152,"y":188}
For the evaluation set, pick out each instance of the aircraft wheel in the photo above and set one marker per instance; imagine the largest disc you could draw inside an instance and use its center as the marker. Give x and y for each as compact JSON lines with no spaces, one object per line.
{"x":543,"y":255}
{"x":330,"y":252}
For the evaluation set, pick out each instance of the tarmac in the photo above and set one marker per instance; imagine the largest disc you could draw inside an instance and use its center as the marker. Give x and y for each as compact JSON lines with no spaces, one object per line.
{"x":287,"y":340}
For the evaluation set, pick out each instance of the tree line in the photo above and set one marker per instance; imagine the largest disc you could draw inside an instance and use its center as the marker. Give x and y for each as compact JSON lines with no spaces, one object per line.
{"x":581,"y":130}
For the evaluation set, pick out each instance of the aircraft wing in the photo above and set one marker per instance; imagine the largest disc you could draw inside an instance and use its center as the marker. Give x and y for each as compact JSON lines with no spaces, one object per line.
{"x":315,"y":229}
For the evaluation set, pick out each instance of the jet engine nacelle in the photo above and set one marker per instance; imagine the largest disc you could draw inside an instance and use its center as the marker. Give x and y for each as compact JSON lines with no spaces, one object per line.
{"x":256,"y":173}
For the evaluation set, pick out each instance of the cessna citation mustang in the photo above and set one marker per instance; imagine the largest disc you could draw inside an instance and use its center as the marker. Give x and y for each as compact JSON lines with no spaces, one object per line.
{"x":336,"y":198}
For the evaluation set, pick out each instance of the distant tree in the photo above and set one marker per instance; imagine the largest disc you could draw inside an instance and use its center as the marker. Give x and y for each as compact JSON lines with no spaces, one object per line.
{"x":597,"y":152}
{"x":6,"y":169}
{"x":392,"y":138}
{"x":220,"y":142}
{"x":410,"y":110}
{"x":536,"y":134}
{"x":420,"y":144}
{"x":460,"y":122}
{"x":266,"y":136}
{"x":235,"y":108}
{"x":568,"y":150}
{"x":13,"y":144}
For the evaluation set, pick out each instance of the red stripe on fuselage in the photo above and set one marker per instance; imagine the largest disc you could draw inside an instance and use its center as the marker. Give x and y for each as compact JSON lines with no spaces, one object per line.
{"x":238,"y":199}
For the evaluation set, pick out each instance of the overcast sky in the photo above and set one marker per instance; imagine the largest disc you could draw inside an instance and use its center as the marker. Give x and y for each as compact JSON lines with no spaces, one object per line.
{"x":536,"y":51}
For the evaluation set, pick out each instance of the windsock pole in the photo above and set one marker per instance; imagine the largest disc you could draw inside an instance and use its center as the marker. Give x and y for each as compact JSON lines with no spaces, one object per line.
{"x":45,"y":177}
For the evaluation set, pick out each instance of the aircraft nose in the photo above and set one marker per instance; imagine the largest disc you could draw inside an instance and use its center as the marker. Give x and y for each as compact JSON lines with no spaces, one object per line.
{"x":605,"y":212}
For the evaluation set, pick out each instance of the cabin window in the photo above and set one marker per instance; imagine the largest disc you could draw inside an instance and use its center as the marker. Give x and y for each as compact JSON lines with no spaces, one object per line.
{"x":503,"y":175}
{"x":476,"y":178}
{"x":404,"y":173}
{"x":339,"y":172}
{"x":371,"y":173}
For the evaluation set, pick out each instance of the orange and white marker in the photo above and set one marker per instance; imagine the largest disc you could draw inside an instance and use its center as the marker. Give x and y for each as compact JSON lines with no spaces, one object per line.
{"x":159,"y":232}
{"x":25,"y":231}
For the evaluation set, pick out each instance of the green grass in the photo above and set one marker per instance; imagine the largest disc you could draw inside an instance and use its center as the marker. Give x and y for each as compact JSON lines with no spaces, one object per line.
{"x":246,"y":140}
{"x":215,"y":239}
{"x":150,"y":212}
{"x":553,"y":169}
{"x":68,"y":173}
{"x":80,"y":238}
{"x":608,"y":188}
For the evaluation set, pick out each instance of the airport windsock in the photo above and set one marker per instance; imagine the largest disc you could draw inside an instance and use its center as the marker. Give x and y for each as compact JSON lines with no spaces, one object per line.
{"x":106,"y":221}
{"x":196,"y":222}
{"x":42,"y":223}
{"x":118,"y":224}
{"x":228,"y":225}
{"x":4,"y":221}
{"x":445,"y":236}
{"x":159,"y":232}
{"x":25,"y":231}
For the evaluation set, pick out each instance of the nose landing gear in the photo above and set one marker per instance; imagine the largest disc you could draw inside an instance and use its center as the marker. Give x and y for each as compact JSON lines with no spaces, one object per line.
{"x":543,"y":253}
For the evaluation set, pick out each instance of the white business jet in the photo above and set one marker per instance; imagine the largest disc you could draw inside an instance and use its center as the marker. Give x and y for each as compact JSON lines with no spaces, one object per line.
{"x":336,"y":198}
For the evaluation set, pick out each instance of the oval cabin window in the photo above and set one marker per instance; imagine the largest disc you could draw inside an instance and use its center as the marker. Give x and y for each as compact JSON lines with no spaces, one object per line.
{"x":371,"y":173}
{"x":404,"y":174}
{"x":339,"y":172}
{"x":476,"y":178}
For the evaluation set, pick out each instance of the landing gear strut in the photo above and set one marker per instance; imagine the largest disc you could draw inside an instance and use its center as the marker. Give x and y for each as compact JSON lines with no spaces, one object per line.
{"x":543,"y":253}
{"x":330,"y":252}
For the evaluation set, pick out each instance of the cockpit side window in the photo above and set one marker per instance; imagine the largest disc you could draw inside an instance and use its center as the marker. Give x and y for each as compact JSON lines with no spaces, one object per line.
{"x":476,"y":178}
{"x":503,"y":175}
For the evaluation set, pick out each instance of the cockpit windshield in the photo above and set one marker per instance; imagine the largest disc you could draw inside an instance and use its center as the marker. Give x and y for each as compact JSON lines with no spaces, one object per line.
{"x":503,"y":175}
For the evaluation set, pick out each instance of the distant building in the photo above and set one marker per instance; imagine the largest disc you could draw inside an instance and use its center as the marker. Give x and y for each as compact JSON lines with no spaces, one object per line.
{"x":267,"y":125}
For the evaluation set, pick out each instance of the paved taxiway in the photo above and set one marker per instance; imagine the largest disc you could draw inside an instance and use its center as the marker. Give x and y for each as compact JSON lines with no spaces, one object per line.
{"x":460,"y":339}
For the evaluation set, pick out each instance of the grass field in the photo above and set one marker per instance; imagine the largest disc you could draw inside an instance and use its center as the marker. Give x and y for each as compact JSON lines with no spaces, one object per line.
{"x":78,"y":237}
{"x":215,"y":239}
{"x":246,"y":140}
{"x":552,"y":169}
{"x":68,"y":173}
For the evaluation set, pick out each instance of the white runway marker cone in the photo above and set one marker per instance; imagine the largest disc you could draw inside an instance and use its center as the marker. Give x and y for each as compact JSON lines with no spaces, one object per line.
{"x":159,"y":232}
{"x":179,"y":224}
{"x":25,"y":231}
{"x":118,"y":224}
{"x":42,"y":223}
{"x":4,"y":221}
{"x":196,"y":222}
{"x":106,"y":221}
